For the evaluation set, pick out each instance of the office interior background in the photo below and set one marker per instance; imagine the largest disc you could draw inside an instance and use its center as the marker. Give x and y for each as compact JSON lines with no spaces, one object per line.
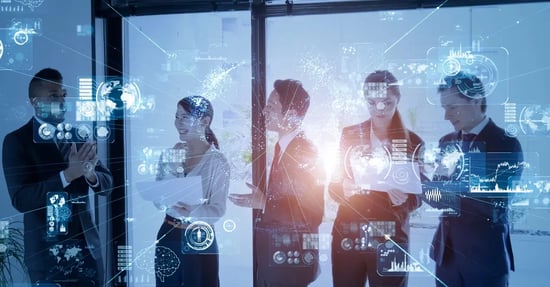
{"x":157,"y":52}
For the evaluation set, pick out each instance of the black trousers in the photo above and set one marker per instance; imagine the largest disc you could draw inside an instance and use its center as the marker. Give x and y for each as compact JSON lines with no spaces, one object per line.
{"x":272,"y":275}
{"x":450,"y":274}
{"x":355,"y":269}
{"x":175,"y":266}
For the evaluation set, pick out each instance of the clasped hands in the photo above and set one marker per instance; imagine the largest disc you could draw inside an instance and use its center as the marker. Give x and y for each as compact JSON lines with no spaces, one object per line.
{"x":256,"y":199}
{"x":396,"y":196}
{"x":82,"y":162}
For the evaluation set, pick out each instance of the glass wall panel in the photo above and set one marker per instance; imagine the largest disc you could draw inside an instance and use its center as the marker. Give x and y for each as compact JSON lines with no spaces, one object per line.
{"x":332,"y":55}
{"x":35,"y":35}
{"x":170,"y":57}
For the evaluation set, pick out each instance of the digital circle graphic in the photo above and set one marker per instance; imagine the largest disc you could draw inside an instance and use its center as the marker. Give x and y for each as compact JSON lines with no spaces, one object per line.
{"x":21,"y":37}
{"x":46,"y":131}
{"x":364,"y":162}
{"x":83,"y":132}
{"x":401,"y":175}
{"x":229,"y":225}
{"x":535,"y":120}
{"x":116,"y":95}
{"x":199,"y":235}
{"x":512,"y":130}
{"x":279,"y":257}
{"x":450,"y":66}
{"x":102,"y":132}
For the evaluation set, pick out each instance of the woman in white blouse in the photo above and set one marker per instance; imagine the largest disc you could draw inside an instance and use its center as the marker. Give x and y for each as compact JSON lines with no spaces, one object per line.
{"x":186,"y":251}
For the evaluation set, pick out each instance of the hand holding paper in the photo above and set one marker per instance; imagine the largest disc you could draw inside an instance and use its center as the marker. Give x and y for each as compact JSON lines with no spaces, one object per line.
{"x":171,"y":192}
{"x":397,"y":197}
{"x":401,"y":177}
{"x":184,"y":209}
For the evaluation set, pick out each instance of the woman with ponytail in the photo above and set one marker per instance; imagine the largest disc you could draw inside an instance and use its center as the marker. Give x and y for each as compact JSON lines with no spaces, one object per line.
{"x":188,"y":230}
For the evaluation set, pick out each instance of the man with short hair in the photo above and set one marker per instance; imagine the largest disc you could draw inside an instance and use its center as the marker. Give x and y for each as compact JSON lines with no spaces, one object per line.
{"x":292,"y":206}
{"x":48,"y":179}
{"x":473,"y":249}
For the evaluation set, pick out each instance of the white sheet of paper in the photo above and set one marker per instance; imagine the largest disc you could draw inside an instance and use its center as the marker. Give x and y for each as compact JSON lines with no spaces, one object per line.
{"x":169,"y":191}
{"x":401,"y":177}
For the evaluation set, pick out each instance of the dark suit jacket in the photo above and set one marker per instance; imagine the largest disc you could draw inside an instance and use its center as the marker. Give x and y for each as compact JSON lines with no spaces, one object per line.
{"x":295,"y":202}
{"x":375,"y":205}
{"x":480,"y":234}
{"x":31,"y":171}
{"x":295,"y":188}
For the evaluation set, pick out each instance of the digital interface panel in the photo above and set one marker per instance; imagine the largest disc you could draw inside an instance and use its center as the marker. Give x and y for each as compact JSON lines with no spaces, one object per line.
{"x":58,"y":213}
{"x":166,"y":60}
{"x":293,"y":248}
{"x":394,"y":260}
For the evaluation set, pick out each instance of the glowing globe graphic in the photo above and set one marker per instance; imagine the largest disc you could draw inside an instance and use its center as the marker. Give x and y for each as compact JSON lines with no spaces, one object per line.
{"x":115,"y":96}
{"x":535,"y":120}
{"x":367,"y":164}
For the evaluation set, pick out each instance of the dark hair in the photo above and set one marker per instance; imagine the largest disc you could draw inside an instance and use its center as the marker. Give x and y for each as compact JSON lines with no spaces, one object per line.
{"x":199,"y":107}
{"x":469,"y":87}
{"x":44,"y":75}
{"x":292,"y":96}
{"x":397,"y":129}
{"x":383,"y":76}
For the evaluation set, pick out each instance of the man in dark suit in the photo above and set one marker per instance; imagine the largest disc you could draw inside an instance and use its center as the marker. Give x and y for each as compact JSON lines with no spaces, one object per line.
{"x":287,"y":229}
{"x":48,"y":179}
{"x":473,"y":249}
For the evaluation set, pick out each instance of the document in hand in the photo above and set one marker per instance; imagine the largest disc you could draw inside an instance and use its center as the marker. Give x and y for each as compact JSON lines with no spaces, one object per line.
{"x":169,"y":191}
{"x":404,"y":177}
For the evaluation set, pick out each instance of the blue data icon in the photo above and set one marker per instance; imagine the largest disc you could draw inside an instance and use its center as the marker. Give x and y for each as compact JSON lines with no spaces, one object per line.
{"x":58,"y":213}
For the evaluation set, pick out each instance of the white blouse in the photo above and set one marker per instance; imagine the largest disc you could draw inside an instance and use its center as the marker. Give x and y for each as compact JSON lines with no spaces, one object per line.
{"x":214,"y":171}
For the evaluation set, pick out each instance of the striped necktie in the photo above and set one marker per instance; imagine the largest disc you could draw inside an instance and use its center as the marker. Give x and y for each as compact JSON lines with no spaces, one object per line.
{"x":274,"y":163}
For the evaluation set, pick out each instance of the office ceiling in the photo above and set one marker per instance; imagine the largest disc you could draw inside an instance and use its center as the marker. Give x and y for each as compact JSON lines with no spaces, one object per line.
{"x":116,"y":8}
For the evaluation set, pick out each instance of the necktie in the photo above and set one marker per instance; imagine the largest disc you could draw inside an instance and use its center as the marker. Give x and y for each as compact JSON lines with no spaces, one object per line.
{"x":467,"y":140}
{"x":276,"y":154}
{"x":274,"y":164}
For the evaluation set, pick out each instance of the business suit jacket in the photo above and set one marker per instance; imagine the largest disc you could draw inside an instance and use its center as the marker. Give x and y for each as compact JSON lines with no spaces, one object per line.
{"x":294,"y":202}
{"x":295,"y":188}
{"x":31,"y":171}
{"x":375,"y":205}
{"x":480,"y":234}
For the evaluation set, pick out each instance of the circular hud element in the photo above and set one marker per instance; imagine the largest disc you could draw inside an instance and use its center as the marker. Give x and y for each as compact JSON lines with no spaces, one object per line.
{"x":199,"y":235}
{"x":46,"y":131}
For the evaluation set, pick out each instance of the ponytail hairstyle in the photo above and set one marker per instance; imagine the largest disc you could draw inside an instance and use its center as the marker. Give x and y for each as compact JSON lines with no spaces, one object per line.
{"x":199,"y":107}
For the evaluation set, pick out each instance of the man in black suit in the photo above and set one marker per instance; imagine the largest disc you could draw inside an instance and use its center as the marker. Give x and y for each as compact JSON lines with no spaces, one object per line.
{"x":292,"y":206}
{"x":474,"y":249}
{"x":48,"y":180}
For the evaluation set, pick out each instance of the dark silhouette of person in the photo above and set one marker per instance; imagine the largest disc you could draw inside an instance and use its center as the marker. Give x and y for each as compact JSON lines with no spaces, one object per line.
{"x":186,"y":252}
{"x":61,"y":173}
{"x":293,"y":204}
{"x":362,"y":205}
{"x":473,"y":248}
